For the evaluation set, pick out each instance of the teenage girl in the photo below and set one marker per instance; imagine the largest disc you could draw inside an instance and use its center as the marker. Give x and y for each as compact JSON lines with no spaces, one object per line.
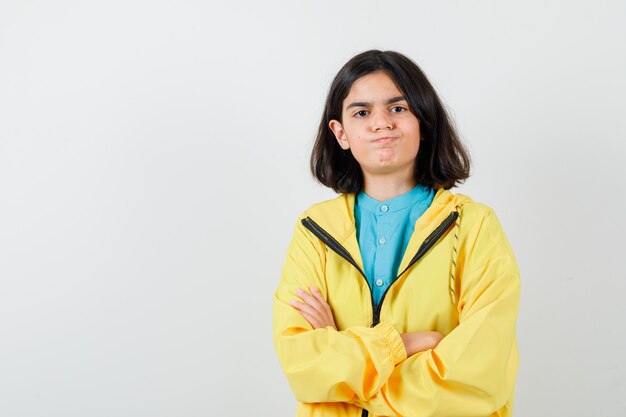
{"x":398,"y":297}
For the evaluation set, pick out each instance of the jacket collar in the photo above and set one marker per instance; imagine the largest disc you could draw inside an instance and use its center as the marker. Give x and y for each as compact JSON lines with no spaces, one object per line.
{"x":416,"y":195}
{"x":336,"y":216}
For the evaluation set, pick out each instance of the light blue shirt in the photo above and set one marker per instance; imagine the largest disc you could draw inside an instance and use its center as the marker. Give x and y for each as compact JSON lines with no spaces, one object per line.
{"x":383,"y":230}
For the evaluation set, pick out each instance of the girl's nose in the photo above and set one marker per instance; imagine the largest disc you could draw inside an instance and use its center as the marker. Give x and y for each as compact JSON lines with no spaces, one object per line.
{"x":381,"y":121}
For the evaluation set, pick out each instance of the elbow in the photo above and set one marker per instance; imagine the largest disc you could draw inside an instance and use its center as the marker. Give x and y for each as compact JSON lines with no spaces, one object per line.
{"x":485,"y":387}
{"x":299,"y":369}
{"x":314,"y":377}
{"x":313,"y":387}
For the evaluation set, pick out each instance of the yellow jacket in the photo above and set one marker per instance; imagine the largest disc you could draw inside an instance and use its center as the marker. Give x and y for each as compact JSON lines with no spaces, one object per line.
{"x":459,"y":277}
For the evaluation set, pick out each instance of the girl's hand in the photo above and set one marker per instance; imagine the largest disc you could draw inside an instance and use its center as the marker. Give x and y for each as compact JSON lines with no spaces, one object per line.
{"x":420,"y":341}
{"x":317,"y":312}
{"x":314,"y":309}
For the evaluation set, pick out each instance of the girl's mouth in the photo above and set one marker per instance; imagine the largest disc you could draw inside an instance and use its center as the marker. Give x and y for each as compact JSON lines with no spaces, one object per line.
{"x":385,"y":139}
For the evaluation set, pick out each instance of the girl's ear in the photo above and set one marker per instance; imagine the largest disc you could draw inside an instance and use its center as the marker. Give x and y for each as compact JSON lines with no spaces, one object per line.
{"x":340,"y":134}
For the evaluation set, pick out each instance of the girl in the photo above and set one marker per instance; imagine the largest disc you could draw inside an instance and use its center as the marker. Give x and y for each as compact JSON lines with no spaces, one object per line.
{"x":398,"y":297}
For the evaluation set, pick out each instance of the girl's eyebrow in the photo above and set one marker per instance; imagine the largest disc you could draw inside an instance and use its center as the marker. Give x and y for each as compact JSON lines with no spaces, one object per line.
{"x":368,"y":104}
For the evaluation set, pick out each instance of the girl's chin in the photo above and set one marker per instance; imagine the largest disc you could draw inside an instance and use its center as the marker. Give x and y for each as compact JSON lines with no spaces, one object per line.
{"x":386,"y":156}
{"x":384,"y":169}
{"x":387,"y":167}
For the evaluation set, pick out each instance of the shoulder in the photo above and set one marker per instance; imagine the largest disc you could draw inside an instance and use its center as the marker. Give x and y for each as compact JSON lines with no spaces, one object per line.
{"x":480,"y":227}
{"x":331,"y":212}
{"x":474,"y":216}
{"x":466,"y":204}
{"x":476,"y":211}
{"x":335,"y":216}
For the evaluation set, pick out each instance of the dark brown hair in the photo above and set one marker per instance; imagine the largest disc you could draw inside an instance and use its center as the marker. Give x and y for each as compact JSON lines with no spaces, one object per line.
{"x":442,"y":160}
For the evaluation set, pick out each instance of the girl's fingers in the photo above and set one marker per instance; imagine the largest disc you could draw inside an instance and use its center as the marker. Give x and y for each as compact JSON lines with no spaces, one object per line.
{"x":325,"y":306}
{"x":329,"y":319}
{"x":312,"y":320}
{"x":316,"y":293}
{"x":317,"y":299}
{"x":314,"y":308}
{"x":304,"y":308}
{"x":310,"y":300}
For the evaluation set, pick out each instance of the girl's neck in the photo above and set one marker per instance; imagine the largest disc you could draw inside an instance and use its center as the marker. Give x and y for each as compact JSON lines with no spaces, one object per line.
{"x":386,"y":187}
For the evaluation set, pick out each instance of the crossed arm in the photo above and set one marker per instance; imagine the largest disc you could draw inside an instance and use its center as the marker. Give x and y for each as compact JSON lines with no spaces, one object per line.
{"x":469,"y":372}
{"x":318,"y":313}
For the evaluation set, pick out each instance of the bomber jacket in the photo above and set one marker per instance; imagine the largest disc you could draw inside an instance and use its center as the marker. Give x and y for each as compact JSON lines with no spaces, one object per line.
{"x":458,"y":276}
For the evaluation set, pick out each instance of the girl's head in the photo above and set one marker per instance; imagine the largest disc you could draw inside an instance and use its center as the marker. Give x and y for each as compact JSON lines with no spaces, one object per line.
{"x":382,"y":114}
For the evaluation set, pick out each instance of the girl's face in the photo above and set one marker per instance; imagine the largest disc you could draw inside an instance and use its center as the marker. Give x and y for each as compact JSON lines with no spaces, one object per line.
{"x":378,"y":127}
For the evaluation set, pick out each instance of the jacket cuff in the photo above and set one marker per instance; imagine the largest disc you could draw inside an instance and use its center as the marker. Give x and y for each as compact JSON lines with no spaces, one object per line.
{"x":394,"y":341}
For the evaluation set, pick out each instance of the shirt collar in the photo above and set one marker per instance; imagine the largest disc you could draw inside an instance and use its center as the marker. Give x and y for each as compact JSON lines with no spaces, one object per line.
{"x":410,"y":198}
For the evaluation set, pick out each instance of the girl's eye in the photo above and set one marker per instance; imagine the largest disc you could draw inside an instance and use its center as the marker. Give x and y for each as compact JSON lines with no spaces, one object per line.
{"x":397,"y":109}
{"x":361,"y":113}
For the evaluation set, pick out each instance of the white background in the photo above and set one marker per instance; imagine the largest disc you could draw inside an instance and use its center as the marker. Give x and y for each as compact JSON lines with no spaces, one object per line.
{"x":154,"y":159}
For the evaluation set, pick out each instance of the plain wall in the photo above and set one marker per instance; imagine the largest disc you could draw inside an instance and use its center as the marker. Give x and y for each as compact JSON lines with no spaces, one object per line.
{"x":154,"y":159}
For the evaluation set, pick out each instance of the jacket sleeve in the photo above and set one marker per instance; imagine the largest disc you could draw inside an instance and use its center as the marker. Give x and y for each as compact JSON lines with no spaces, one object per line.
{"x":472,"y":370}
{"x":326,"y":365}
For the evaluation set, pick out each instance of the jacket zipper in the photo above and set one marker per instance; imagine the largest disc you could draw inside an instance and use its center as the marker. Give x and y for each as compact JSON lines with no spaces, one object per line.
{"x":426,"y":245}
{"x":332,"y":243}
